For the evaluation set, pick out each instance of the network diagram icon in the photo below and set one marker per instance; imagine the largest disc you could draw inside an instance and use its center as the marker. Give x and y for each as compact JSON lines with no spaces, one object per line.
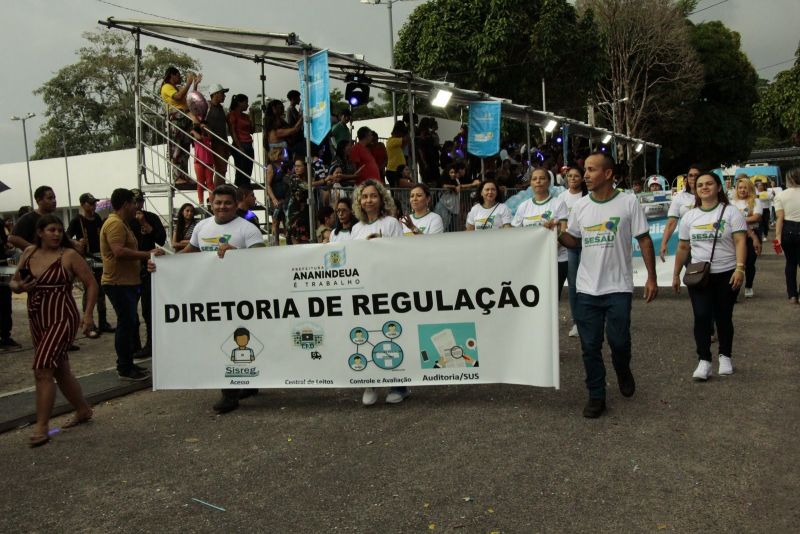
{"x":384,"y":353}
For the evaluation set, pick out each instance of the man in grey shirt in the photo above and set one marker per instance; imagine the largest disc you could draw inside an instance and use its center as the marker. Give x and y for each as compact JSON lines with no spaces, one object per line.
{"x":217,"y":123}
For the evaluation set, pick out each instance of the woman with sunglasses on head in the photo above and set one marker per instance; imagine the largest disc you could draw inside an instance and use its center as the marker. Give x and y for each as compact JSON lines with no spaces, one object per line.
{"x":745,"y":200}
{"x":712,"y":228}
{"x":576,"y":189}
{"x":489,"y":213}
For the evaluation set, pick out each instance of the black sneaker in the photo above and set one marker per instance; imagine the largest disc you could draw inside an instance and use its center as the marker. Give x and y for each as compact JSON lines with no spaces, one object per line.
{"x":107,"y":328}
{"x":143,"y":354}
{"x":225,"y":405}
{"x":141,"y":369}
{"x":594,"y":408}
{"x":8,"y":343}
{"x":627,"y":385}
{"x":134,"y":375}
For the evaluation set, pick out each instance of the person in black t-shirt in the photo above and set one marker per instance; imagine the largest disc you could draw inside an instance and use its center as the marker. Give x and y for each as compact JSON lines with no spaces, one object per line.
{"x":149,"y":232}
{"x":24,"y":232}
{"x":85,"y":228}
{"x":246,"y":202}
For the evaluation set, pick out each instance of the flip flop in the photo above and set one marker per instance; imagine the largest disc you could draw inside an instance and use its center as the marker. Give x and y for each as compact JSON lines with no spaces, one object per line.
{"x":37,"y":440}
{"x":72,"y":423}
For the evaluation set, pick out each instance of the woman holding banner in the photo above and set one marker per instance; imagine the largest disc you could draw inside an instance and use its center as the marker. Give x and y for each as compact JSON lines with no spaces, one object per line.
{"x":373,"y":206}
{"x":544,"y":210}
{"x":713,"y":232}
{"x":489,"y":213}
{"x":421,"y":220}
{"x":576,"y":190}
{"x":745,"y":201}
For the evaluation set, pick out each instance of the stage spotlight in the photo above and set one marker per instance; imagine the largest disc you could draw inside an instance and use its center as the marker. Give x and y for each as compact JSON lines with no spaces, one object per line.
{"x":639,"y":147}
{"x":607,"y":139}
{"x":550,"y":126}
{"x":356,"y":92}
{"x":441,"y":98}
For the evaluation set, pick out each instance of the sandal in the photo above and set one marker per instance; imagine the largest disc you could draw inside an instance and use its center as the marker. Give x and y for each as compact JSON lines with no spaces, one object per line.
{"x":93,"y":334}
{"x":75,"y":421}
{"x":37,"y":440}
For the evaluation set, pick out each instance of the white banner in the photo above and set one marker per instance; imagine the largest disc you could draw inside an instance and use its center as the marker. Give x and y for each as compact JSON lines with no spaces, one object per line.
{"x":467,"y":307}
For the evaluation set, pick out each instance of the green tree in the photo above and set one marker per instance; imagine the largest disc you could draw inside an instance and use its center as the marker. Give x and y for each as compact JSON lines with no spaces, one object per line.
{"x":91,"y":102}
{"x":778,"y":112}
{"x":505,"y":48}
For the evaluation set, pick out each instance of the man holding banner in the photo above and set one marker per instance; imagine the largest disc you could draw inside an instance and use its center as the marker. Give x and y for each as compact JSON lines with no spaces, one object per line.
{"x":603,"y":224}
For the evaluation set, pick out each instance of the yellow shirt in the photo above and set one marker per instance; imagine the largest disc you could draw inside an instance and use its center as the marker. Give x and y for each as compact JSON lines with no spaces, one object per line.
{"x":168,"y":92}
{"x":394,"y":150}
{"x":118,"y":272}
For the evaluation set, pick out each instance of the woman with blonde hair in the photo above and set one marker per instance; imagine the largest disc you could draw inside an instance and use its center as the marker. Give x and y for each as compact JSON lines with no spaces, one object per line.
{"x":745,"y":200}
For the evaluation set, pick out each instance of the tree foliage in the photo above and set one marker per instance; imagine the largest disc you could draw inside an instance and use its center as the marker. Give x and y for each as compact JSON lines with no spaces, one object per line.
{"x":90,"y":103}
{"x":778,"y":111}
{"x":505,"y":48}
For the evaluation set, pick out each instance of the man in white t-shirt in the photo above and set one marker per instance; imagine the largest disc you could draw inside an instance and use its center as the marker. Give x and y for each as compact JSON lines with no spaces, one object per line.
{"x":603,"y":224}
{"x":223,"y":232}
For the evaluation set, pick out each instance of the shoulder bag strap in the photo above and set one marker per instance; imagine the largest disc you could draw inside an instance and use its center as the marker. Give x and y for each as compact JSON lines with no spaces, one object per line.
{"x":716,"y":232}
{"x":489,"y":216}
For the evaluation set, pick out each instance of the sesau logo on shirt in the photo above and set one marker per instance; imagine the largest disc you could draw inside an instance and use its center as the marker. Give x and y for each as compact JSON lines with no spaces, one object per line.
{"x":213,"y":243}
{"x":706,"y":232}
{"x":602,"y":234}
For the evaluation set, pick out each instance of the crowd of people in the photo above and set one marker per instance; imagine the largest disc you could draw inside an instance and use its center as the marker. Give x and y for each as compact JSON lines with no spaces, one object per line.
{"x":721,"y":227}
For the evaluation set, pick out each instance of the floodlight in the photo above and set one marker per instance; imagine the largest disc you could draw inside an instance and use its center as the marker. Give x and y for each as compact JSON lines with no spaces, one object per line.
{"x":356,"y":92}
{"x":607,"y":139}
{"x":550,"y":126}
{"x":639,"y":147}
{"x":442,"y":98}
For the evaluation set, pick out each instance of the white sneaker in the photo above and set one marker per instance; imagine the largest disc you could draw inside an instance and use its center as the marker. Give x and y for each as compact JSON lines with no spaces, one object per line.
{"x":397,"y":395}
{"x":748,"y":293}
{"x":370,"y":397}
{"x":703,"y":371}
{"x":725,"y":365}
{"x":573,"y":332}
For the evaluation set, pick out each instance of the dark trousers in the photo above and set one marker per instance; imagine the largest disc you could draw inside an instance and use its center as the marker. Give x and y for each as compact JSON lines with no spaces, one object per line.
{"x":764,"y":224}
{"x":750,"y":262}
{"x":6,"y":322}
{"x":147,"y":310}
{"x":790,"y":241}
{"x":593,"y":314}
{"x":573,"y":262}
{"x":563,"y":268}
{"x":125,"y":300}
{"x":102,"y":312}
{"x":714,"y":304}
{"x":244,"y":165}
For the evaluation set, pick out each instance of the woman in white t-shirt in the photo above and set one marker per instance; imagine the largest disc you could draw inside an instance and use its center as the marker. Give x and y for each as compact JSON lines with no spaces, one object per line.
{"x":682,"y":202}
{"x":344,"y":221}
{"x":787,"y":229}
{"x":576,"y":190}
{"x":713,"y":303}
{"x":490,"y":213}
{"x":421,"y":220}
{"x":542,"y":209}
{"x":374,"y":208}
{"x":744,"y":199}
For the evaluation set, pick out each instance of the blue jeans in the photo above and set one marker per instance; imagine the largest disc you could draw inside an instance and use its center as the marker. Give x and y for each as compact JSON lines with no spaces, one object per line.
{"x":125,"y":300}
{"x":573,"y":262}
{"x":592,"y":315}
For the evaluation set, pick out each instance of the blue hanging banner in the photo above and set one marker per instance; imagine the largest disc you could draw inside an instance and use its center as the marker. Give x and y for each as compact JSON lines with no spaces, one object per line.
{"x":484,"y":129}
{"x":319,"y":102}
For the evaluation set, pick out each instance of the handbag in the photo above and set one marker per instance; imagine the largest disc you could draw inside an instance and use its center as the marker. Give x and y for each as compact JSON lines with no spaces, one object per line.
{"x":699,"y":273}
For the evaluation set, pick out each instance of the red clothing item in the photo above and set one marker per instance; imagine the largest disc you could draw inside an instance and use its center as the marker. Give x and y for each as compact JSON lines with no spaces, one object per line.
{"x":240,"y":126}
{"x":360,"y":155}
{"x":378,"y":151}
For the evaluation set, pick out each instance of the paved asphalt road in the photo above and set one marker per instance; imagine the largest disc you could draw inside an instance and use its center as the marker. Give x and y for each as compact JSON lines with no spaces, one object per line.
{"x":720,"y":456}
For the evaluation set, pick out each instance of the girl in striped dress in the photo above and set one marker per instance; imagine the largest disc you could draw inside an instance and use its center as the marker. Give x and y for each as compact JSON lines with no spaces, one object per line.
{"x":46,"y":271}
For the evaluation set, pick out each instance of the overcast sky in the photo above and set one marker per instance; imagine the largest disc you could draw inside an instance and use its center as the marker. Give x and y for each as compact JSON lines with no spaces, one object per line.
{"x":41,"y":36}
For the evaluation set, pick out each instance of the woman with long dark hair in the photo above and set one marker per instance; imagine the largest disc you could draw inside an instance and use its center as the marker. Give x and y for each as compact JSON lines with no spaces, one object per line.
{"x":421,"y":220}
{"x":713,"y":228}
{"x":184,"y":226}
{"x":489,"y":213}
{"x":344,"y":221}
{"x":241,"y":128}
{"x":277,"y":132}
{"x":46,"y":271}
